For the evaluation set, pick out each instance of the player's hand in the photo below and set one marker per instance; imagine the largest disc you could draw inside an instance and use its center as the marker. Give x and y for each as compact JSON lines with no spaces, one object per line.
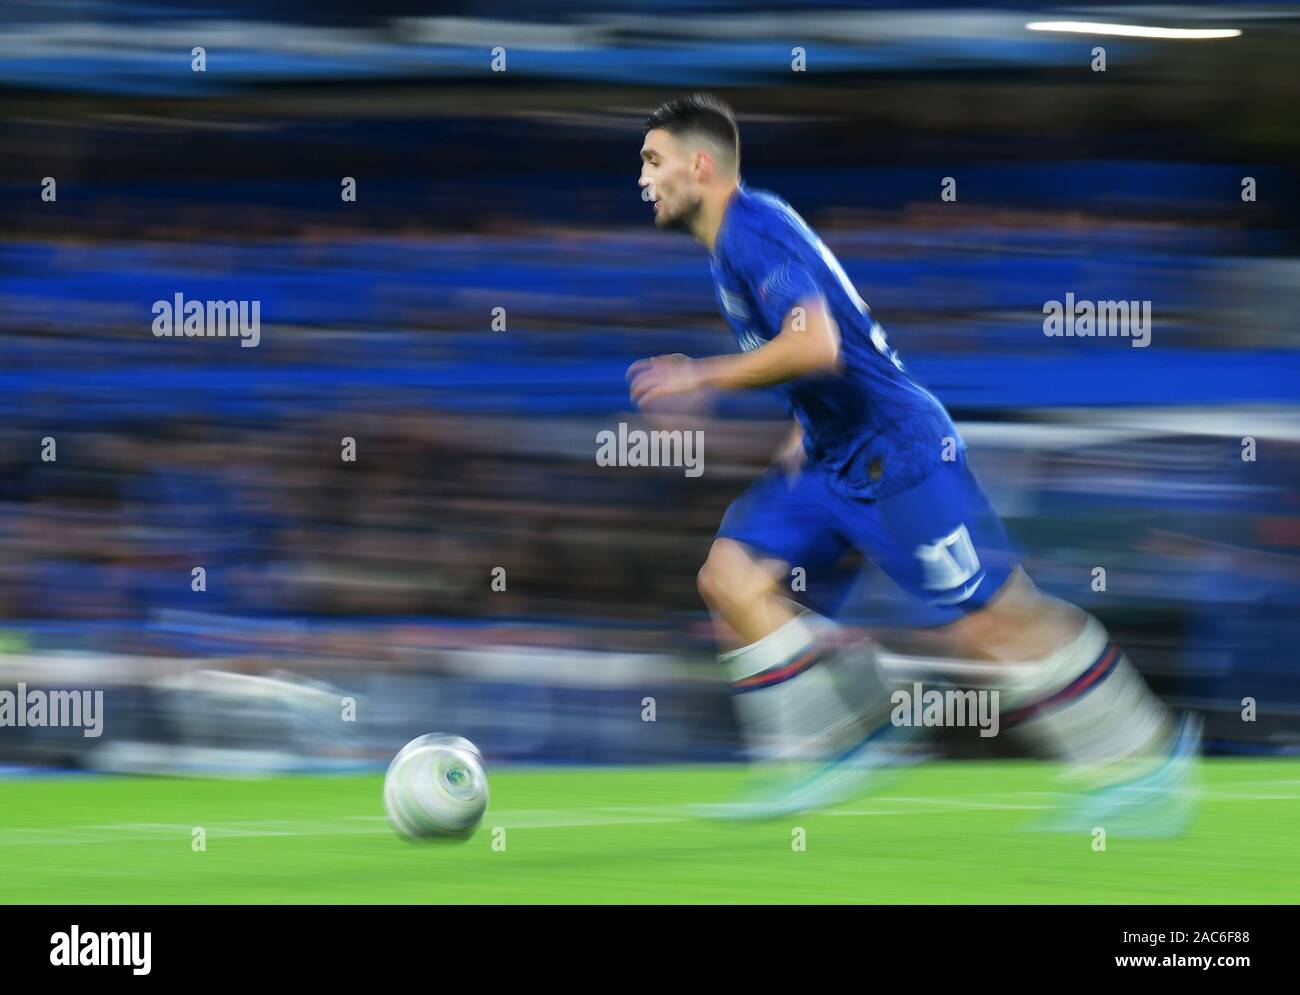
{"x":662,"y":376}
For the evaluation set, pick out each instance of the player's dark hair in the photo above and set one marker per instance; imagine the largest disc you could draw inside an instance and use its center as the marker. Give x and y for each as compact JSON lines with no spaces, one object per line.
{"x":701,"y":114}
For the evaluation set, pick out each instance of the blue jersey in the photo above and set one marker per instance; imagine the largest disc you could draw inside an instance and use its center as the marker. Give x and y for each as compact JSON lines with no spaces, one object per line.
{"x":871,"y":428}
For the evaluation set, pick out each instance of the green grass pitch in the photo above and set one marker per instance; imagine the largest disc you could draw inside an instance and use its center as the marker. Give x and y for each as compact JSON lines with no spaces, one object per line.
{"x":944,"y":832}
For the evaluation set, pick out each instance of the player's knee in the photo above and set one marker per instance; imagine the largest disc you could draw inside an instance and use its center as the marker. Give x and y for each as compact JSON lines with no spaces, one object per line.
{"x":711,"y":584}
{"x":1020,"y":623}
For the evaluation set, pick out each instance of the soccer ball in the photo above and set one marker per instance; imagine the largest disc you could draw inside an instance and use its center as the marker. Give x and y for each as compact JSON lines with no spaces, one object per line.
{"x":436,"y":789}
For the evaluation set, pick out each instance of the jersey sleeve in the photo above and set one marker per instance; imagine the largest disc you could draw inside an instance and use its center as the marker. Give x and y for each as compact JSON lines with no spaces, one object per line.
{"x":775,"y":280}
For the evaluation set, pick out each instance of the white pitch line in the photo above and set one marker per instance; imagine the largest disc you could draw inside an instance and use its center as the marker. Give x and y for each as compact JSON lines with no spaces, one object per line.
{"x":615,"y":815}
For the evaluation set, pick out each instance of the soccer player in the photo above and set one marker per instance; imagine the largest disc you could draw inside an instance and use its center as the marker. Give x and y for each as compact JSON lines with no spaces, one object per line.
{"x":874,"y":463}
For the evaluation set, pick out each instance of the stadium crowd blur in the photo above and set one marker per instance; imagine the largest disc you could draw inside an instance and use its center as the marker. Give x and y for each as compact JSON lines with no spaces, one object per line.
{"x":475,"y":444}
{"x":169,"y":454}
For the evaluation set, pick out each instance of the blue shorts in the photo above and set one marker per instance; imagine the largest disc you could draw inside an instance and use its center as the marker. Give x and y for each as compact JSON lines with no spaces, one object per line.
{"x":941,"y":541}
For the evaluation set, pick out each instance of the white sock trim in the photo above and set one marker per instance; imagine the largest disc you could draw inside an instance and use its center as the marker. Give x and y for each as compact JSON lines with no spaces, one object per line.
{"x":1028,"y":684}
{"x":773,"y":649}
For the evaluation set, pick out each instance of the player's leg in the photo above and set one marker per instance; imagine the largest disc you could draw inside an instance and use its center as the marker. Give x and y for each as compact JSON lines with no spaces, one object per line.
{"x":803,"y":692}
{"x":796,"y":682}
{"x":743,"y":590}
{"x":1080,"y":700}
{"x":1066,"y":689}
{"x":778,"y":657}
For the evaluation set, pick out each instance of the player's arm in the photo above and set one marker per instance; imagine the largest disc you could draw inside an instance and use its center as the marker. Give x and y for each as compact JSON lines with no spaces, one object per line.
{"x":808,"y":343}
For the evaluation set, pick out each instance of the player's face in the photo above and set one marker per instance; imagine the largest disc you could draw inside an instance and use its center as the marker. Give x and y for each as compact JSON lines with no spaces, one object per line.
{"x":668,"y":180}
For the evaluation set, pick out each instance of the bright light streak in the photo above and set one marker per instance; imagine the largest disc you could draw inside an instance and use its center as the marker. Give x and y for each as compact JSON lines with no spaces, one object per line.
{"x":1133,"y":30}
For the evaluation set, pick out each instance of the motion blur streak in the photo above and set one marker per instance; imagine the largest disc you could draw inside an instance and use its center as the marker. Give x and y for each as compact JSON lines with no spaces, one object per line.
{"x":467,"y":319}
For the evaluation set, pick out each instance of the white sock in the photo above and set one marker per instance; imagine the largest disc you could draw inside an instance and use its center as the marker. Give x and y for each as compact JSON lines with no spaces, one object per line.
{"x":790,"y":704}
{"x":1088,"y":705}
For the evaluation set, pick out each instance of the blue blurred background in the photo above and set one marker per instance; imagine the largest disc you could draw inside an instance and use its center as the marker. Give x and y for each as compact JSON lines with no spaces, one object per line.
{"x":479,"y":190}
